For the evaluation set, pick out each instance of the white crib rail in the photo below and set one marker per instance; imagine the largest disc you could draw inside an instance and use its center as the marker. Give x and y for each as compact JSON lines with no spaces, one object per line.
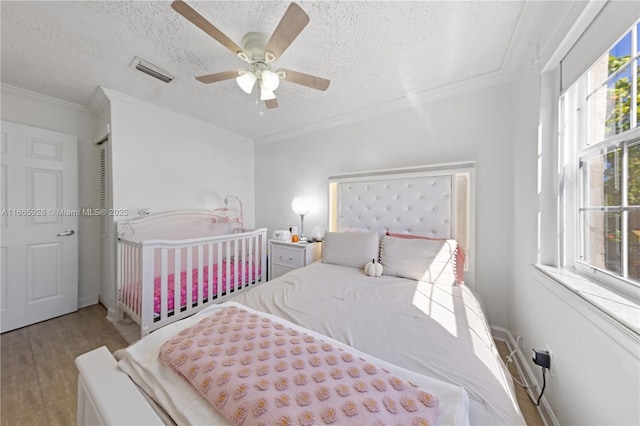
{"x":235,"y":262}
{"x":129,"y":275}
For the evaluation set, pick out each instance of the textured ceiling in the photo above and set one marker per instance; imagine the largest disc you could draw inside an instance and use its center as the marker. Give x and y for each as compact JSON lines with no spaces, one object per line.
{"x":373,"y":53}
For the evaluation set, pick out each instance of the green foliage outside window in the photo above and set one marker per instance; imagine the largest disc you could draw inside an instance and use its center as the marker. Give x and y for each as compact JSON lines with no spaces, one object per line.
{"x":621,"y":103}
{"x":619,"y":99}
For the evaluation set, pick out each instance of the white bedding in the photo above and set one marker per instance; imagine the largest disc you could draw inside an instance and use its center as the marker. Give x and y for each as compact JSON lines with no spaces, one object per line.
{"x":426,"y":331}
{"x":185,"y":405}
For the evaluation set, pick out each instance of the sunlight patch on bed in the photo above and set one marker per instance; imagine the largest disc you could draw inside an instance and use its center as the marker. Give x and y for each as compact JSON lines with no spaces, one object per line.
{"x":484,"y":347}
{"x":441,"y":270}
{"x":436,"y":304}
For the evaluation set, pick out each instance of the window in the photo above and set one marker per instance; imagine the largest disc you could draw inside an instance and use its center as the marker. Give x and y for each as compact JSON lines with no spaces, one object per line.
{"x":600,"y":117}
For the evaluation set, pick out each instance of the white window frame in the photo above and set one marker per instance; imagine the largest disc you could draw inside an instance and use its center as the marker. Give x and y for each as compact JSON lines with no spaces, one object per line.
{"x":572,"y":150}
{"x":623,"y":141}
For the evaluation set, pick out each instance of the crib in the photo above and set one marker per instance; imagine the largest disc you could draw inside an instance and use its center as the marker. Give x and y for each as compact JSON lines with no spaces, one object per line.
{"x":172,"y":265}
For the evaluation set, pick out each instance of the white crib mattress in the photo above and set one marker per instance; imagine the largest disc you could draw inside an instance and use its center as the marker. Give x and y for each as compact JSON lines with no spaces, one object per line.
{"x":426,"y":331}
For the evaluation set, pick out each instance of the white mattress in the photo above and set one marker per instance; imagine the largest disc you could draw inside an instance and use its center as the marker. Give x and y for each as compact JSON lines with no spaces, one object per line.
{"x":427,"y":331}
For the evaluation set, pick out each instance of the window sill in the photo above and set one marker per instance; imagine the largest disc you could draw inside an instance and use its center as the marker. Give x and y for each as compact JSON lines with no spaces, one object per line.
{"x":621,"y":310}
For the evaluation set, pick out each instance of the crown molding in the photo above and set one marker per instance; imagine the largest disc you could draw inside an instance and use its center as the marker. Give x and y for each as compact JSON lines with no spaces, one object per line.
{"x":529,"y":19}
{"x":98,"y":101}
{"x":408,"y":101}
{"x":112,"y":95}
{"x":35,"y":96}
{"x":521,"y":39}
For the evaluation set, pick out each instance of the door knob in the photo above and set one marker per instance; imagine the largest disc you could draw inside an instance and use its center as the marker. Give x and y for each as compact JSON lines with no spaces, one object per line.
{"x":67,"y":233}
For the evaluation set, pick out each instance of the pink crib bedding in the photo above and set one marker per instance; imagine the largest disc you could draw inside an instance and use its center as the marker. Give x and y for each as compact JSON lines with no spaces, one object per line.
{"x":132,"y":292}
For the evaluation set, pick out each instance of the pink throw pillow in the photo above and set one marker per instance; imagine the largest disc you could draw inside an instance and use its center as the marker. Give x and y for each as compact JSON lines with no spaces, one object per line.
{"x":460,"y":257}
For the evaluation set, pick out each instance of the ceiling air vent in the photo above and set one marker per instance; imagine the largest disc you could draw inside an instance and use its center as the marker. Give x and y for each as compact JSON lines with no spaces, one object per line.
{"x":152,"y":70}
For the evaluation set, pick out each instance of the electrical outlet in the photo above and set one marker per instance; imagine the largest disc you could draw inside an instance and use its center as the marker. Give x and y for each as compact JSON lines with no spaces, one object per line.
{"x":541,"y":358}
{"x":551,"y":359}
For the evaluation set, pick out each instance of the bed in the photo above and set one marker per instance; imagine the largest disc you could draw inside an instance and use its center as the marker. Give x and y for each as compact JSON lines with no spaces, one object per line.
{"x":430,"y":331}
{"x":171,"y":265}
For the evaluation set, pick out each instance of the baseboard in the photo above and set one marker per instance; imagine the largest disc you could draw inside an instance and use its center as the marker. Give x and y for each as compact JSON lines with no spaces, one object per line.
{"x":87,"y":301}
{"x":111,"y":315}
{"x":500,"y":333}
{"x":525,"y":372}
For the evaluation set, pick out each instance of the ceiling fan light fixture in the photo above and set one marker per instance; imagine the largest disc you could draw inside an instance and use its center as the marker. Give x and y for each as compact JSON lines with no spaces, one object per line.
{"x":270,"y":80}
{"x":259,"y":51}
{"x":266,"y":94}
{"x":269,"y":56}
{"x":246,"y":81}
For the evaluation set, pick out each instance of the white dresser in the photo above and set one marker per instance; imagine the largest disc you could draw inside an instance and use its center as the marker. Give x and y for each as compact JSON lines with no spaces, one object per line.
{"x":285,"y":256}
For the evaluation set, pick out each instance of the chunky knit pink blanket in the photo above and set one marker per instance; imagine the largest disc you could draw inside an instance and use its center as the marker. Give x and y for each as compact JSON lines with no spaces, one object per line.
{"x":256,"y":371}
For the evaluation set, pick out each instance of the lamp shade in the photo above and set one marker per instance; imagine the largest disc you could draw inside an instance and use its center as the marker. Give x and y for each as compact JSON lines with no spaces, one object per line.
{"x":266,"y":94}
{"x":246,"y":81}
{"x":270,"y":80}
{"x":301,"y":205}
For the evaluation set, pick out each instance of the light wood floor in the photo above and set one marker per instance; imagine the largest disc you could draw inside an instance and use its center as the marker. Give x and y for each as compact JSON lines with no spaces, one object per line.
{"x":39,"y":377}
{"x":528,"y":408}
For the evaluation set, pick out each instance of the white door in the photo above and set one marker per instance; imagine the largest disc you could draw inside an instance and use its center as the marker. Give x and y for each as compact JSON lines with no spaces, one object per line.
{"x":39,"y":240}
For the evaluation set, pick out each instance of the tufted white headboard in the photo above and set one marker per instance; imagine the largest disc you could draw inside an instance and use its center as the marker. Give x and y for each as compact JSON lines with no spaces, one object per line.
{"x":435,"y":201}
{"x":418,"y":205}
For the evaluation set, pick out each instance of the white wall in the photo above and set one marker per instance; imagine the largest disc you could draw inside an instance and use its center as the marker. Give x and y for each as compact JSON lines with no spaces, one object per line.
{"x":467,"y":127}
{"x":36,"y":110}
{"x":164,"y":161}
{"x":595,"y":367}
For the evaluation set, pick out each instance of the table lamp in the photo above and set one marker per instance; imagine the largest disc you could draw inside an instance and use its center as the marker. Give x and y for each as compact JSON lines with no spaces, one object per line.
{"x":301,"y":206}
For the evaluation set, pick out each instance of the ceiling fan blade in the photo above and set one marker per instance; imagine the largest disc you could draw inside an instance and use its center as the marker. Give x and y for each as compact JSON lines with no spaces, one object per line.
{"x":199,"y":21}
{"x":303,"y":79}
{"x":291,"y":24}
{"x":219,"y":76}
{"x":271,"y":103}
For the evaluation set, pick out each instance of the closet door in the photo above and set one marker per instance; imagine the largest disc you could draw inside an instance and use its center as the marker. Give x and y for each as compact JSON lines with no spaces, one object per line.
{"x":39,"y":254}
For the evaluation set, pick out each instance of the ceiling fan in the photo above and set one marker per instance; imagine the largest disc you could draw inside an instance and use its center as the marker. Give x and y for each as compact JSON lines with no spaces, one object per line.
{"x":259,"y":52}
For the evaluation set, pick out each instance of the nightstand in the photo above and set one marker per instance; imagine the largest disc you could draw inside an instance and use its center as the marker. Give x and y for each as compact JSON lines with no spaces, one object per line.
{"x":285,"y":256}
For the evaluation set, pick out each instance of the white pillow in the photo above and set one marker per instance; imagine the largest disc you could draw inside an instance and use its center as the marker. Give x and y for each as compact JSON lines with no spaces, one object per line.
{"x":350,"y":248}
{"x":418,"y":259}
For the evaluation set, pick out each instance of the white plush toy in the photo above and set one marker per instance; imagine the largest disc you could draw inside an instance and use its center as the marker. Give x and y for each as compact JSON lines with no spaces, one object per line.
{"x":373,"y":268}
